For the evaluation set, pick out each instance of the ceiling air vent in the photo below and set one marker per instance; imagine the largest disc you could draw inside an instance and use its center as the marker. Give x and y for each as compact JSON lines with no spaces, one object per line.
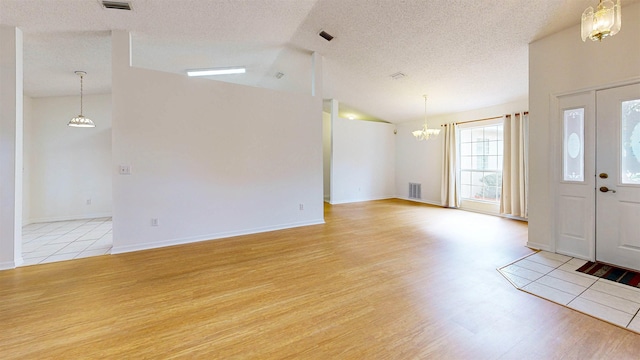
{"x":398,"y":76}
{"x":117,"y":5}
{"x":325,"y":35}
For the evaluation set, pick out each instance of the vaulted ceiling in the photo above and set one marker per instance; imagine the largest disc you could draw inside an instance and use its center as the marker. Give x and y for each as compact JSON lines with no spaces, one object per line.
{"x":463,"y":54}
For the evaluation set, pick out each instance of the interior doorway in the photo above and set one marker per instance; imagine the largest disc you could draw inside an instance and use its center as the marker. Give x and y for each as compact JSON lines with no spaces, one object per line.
{"x":47,"y":242}
{"x":67,"y":179}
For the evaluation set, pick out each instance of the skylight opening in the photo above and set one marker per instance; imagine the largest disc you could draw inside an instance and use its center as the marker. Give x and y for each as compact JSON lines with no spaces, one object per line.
{"x":217,"y":71}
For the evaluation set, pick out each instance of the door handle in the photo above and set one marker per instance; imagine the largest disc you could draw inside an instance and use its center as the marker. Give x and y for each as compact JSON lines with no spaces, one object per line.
{"x":606,"y":189}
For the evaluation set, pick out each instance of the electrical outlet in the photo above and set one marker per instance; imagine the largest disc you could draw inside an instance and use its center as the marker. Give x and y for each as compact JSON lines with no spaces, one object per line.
{"x":155,"y":222}
{"x":301,"y":206}
{"x":125,"y":170}
{"x":88,"y":201}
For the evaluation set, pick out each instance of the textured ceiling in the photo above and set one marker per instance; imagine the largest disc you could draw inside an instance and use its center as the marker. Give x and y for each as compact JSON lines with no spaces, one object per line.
{"x":463,"y":54}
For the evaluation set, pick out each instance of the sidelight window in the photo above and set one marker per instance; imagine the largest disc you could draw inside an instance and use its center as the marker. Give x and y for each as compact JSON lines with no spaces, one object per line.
{"x":573,"y":145}
{"x":630,"y":159}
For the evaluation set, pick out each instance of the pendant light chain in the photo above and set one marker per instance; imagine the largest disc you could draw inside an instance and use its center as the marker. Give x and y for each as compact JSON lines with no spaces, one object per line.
{"x":81,"y":81}
{"x":425,"y":109}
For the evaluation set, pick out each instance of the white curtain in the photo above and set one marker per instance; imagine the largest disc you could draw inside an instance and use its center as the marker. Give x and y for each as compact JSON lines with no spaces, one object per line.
{"x":450,"y":192}
{"x":515,"y":173}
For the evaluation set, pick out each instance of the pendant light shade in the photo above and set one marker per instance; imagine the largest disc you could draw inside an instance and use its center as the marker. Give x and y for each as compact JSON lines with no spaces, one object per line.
{"x":425,"y":133}
{"x":80,"y":120}
{"x":602,"y":22}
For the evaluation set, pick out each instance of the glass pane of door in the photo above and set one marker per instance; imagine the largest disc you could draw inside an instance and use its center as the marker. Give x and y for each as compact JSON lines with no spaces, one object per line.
{"x":630,"y":154}
{"x":573,"y":145}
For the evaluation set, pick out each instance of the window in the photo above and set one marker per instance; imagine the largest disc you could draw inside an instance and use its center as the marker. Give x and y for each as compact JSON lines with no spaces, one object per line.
{"x":481,"y":163}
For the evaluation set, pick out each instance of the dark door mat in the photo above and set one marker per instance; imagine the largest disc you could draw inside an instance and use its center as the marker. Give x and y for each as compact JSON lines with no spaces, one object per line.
{"x":613,"y":273}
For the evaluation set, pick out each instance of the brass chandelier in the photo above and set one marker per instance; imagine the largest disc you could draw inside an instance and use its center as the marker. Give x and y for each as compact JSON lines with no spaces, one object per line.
{"x":605,"y":21}
{"x":425,"y":133}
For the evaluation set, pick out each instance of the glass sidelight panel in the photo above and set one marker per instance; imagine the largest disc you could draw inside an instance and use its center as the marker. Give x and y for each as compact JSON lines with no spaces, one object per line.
{"x":573,"y":145}
{"x":630,"y":154}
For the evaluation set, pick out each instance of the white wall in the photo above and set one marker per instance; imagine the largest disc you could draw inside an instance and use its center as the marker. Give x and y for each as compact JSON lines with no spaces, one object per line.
{"x":562,"y":63}
{"x":363,"y":161}
{"x":11,"y":128}
{"x":68,"y":166}
{"x":421,"y":161}
{"x":209,"y":159}
{"x":26,"y":160}
{"x":326,"y":155}
{"x":418,"y":162}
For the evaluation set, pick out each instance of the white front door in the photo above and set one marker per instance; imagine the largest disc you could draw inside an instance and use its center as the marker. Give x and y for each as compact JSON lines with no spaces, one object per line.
{"x":618,"y":176}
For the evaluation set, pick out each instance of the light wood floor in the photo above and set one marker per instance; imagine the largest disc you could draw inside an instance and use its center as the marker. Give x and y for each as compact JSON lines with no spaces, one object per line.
{"x":381,"y":280}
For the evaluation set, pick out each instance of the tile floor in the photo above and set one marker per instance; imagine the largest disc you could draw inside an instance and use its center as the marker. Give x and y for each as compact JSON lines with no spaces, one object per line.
{"x":553,"y":277}
{"x":65,"y":240}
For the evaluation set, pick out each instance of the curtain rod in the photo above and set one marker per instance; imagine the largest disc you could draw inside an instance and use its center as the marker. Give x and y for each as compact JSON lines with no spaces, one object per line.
{"x":485,"y":119}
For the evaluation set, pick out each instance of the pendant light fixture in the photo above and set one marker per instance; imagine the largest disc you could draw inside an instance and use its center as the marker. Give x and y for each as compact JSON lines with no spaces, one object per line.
{"x":80,"y":120}
{"x":425,"y":133}
{"x":604,"y":22}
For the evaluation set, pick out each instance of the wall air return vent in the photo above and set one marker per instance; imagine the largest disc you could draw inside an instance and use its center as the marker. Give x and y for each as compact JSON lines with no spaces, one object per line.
{"x":415,"y":191}
{"x":117,"y":5}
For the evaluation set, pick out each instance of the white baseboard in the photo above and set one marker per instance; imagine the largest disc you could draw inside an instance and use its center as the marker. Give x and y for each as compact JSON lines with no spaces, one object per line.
{"x":420,"y":201}
{"x":513,"y":217}
{"x":467,"y":209}
{"x":181,"y":241}
{"x":7,"y":265}
{"x":357,"y":200}
{"x":506,"y":216}
{"x":68,"y":217}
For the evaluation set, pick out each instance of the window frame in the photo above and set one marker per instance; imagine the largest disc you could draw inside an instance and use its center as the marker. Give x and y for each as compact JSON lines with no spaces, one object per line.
{"x":474,"y":203}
